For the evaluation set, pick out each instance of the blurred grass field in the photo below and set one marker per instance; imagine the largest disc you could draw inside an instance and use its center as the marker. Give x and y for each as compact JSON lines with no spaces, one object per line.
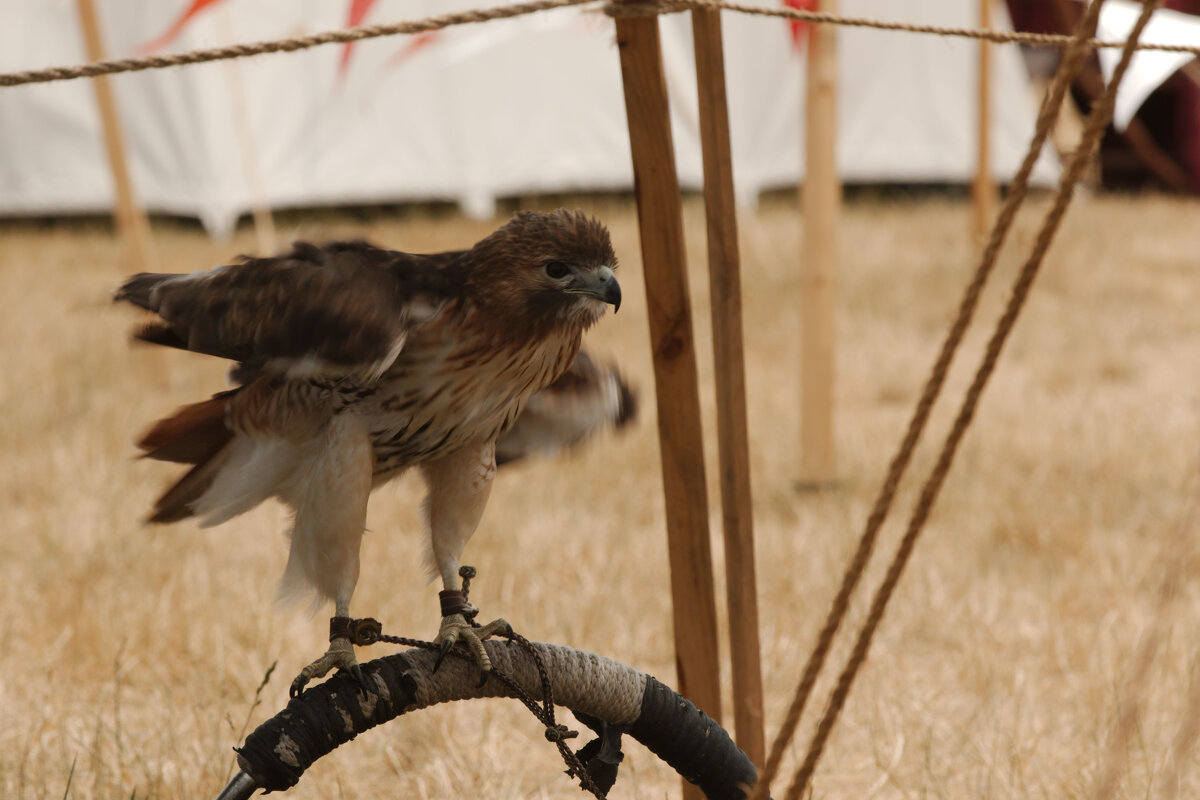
{"x":130,"y":656}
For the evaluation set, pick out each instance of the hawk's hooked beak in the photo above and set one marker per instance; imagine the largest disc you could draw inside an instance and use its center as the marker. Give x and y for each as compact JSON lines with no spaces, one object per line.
{"x":599,"y":283}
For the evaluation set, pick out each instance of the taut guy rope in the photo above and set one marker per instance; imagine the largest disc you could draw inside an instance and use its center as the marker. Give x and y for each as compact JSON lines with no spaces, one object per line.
{"x":1097,"y":123}
{"x":283,"y":45}
{"x":1072,"y":63}
{"x":520,"y":9}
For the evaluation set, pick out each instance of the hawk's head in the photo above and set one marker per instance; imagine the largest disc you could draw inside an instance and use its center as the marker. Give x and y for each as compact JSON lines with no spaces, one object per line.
{"x":547,"y":271}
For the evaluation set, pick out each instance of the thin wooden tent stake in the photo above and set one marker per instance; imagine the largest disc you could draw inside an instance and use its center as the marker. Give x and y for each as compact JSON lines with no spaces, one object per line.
{"x":822,"y":198}
{"x":260,"y":209}
{"x":130,"y":218}
{"x":733,"y":438}
{"x":660,"y":222}
{"x":983,"y":190}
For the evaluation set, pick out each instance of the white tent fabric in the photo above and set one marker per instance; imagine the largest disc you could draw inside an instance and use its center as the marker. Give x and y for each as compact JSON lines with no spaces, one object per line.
{"x":474,"y":113}
{"x":1148,"y":68}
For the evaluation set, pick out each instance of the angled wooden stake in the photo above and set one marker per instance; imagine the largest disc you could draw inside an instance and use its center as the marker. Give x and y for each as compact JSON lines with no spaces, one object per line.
{"x":660,"y":219}
{"x":132,"y":224}
{"x":260,"y":209}
{"x":822,"y":197}
{"x":733,"y":445}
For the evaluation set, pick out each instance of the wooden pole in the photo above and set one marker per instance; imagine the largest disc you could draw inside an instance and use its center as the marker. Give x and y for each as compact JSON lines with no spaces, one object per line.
{"x":984,"y":189}
{"x":660,"y":221}
{"x":264,"y":223}
{"x":821,"y":196}
{"x":733,"y":445}
{"x":130,"y":218}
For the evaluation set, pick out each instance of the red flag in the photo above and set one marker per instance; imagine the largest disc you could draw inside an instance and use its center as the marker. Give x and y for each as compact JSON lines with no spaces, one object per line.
{"x":177,"y":26}
{"x":799,"y":28}
{"x":358,"y":12}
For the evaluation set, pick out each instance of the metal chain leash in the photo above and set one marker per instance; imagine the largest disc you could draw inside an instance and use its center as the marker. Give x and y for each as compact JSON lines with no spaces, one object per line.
{"x":364,"y":632}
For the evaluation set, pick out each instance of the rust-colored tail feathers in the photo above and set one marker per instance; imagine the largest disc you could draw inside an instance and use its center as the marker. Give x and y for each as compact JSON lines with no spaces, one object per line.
{"x":195,"y":434}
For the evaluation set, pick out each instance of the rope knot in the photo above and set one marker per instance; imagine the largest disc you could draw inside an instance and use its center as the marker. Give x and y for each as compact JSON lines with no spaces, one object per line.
{"x":559,"y":732}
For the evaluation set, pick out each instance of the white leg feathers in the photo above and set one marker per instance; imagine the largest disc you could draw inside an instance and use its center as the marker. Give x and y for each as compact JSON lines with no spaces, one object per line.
{"x":253,"y":470}
{"x":329,"y":493}
{"x":459,"y":484}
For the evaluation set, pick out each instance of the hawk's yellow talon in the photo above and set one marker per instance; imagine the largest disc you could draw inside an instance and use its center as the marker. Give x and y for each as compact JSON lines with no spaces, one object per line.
{"x":455,"y":628}
{"x":340,"y":655}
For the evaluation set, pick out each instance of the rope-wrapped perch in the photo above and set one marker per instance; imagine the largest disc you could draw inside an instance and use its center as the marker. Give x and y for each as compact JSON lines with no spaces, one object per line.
{"x":276,"y":754}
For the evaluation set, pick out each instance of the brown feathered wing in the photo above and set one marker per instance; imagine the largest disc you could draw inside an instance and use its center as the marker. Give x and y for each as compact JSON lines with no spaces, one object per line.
{"x":338,"y":311}
{"x":583,"y":401}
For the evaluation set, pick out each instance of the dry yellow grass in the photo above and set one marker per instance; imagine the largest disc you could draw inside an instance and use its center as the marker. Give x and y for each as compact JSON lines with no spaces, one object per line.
{"x":129,"y":656}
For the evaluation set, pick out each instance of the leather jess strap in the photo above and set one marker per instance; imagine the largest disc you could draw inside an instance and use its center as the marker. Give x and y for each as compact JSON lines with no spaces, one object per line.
{"x":453,"y":602}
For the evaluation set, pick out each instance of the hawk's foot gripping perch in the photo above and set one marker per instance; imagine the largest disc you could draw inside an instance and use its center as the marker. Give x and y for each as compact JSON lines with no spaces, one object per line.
{"x":455,"y":628}
{"x":458,"y":625}
{"x":344,"y":633}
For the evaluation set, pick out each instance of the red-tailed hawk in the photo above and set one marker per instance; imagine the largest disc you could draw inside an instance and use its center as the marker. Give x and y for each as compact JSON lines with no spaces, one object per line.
{"x":356,"y":363}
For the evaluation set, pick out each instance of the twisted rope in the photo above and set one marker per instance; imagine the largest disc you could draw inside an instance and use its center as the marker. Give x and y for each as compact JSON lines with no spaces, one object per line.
{"x":443,"y":21}
{"x":1071,"y":65}
{"x":544,"y":711}
{"x":1096,"y":124}
{"x":824,"y":17}
{"x":366,"y":632}
{"x":342,"y":36}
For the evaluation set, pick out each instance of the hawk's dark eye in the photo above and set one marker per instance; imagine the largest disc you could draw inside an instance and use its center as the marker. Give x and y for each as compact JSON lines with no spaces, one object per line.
{"x":557,"y":269}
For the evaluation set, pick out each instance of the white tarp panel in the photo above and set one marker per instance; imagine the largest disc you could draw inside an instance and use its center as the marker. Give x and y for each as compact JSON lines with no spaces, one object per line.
{"x":1148,"y":68}
{"x":476,"y":112}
